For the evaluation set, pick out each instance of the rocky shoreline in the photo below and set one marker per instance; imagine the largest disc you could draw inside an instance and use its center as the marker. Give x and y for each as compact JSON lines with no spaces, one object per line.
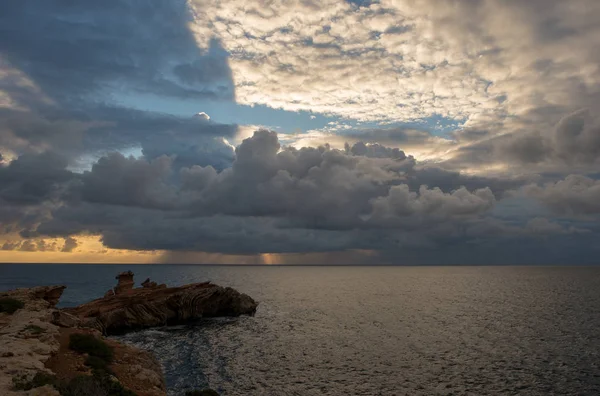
{"x":39,"y":355}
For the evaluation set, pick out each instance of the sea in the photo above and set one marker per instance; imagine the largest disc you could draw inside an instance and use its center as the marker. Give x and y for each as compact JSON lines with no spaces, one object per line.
{"x":348,"y":330}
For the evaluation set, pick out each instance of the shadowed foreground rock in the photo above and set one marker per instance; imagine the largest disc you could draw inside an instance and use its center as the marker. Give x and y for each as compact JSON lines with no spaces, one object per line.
{"x":34,"y":342}
{"x":27,"y":338}
{"x":130,"y":309}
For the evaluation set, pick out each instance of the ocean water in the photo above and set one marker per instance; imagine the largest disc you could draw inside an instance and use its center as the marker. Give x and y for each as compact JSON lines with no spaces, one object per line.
{"x":370,"y":330}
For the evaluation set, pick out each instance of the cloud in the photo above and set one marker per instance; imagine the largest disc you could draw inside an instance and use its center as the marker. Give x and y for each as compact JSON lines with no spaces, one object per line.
{"x":393,"y":76}
{"x":375,"y":151}
{"x":30,"y":186}
{"x":271,"y":199}
{"x":33,"y":178}
{"x":33,"y":132}
{"x":573,"y":141}
{"x":389,"y":61}
{"x":35,"y":245}
{"x":279,"y":199}
{"x":70,"y":245}
{"x":392,"y":136}
{"x":189,"y":140}
{"x":326,"y":186}
{"x":118,"y":180}
{"x":402,"y":207}
{"x":28,"y":246}
{"x":72,"y":51}
{"x":401,"y":60}
{"x":577,"y":138}
{"x":543,"y":226}
{"x":202,"y":116}
{"x":574,"y":195}
{"x":9,"y":245}
{"x":85,"y":135}
{"x":65,"y":88}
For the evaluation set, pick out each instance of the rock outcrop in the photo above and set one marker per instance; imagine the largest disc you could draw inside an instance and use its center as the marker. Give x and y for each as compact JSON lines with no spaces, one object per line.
{"x":157,"y":305}
{"x":152,"y":285}
{"x":64,"y":319}
{"x":28,"y":338}
{"x":135,"y":369}
{"x":125,"y":282}
{"x":34,"y":339}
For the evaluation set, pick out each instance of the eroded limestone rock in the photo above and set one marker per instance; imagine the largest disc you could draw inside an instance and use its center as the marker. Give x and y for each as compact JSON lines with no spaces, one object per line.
{"x":125,"y":283}
{"x":27,"y":337}
{"x":151,"y":306}
{"x":65,"y":319}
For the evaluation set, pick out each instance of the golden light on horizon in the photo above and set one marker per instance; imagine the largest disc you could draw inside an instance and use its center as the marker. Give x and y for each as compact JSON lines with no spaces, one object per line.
{"x":268,"y":259}
{"x":89,"y":250}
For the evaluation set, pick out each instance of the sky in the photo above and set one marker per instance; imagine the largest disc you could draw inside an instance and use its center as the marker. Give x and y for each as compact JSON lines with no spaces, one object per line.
{"x":408,"y":132}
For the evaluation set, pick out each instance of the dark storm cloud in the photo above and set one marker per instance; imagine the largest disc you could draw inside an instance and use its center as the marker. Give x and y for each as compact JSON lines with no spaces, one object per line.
{"x":102,"y":129}
{"x":71,"y":49}
{"x":32,"y":179}
{"x":189,"y":140}
{"x":270,"y":200}
{"x":574,"y":195}
{"x":118,"y":180}
{"x":195,"y":142}
{"x":123,"y":126}
{"x":325,"y":187}
{"x":448,"y":181}
{"x":145,"y":229}
{"x":574,"y":140}
{"x":30,"y":187}
{"x":35,"y":132}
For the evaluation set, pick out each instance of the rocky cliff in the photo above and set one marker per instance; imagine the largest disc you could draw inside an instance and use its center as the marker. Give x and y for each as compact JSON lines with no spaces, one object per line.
{"x":37,"y":355}
{"x":27,"y":337}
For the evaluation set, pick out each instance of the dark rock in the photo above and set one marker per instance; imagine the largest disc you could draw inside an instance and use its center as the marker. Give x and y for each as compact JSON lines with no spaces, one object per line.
{"x":125,"y":282}
{"x":65,"y":319}
{"x":49,"y":293}
{"x":158,"y":306}
{"x":148,"y":284}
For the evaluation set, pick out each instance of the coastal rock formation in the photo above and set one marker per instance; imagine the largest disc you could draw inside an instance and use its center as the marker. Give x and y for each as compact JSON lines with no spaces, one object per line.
{"x":64,"y":319}
{"x":157,"y":305}
{"x":125,"y":282}
{"x":135,"y":369}
{"x":34,"y":340}
{"x":35,"y":336}
{"x":51,"y":294}
{"x":149,"y":284}
{"x":28,"y":338}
